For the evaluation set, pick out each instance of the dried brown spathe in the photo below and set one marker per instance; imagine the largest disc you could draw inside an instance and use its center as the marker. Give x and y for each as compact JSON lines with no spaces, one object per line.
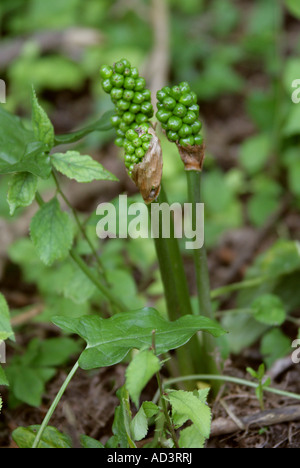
{"x":148,"y":173}
{"x":192,"y":157}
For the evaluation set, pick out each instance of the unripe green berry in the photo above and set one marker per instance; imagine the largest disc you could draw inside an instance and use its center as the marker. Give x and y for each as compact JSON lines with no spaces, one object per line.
{"x":116,"y":94}
{"x":146,"y":137}
{"x":131,"y":135}
{"x":195,"y":108}
{"x":107,"y":85}
{"x":135,"y":108}
{"x":138,"y":98}
{"x":140,"y":84}
{"x":175,"y":92}
{"x":127,"y":158}
{"x":195,"y":98}
{"x":188,"y":141}
{"x":126,"y":62}
{"x":106,"y":72}
{"x":127,"y":71}
{"x":139,"y":152}
{"x":147,"y":108}
{"x":128,"y":95}
{"x":172,"y":136}
{"x":123,"y":105}
{"x":163,"y":115}
{"x":190,"y":118}
{"x":129,"y":148}
{"x":137,"y":142}
{"x":120,"y":133}
{"x":115,"y":120}
{"x":180,"y":110}
{"x":186,"y":99}
{"x":140,"y":118}
{"x":146,"y":146}
{"x":144,"y":127}
{"x":128,"y":118}
{"x":161,"y":95}
{"x":123,"y":126}
{"x":117,"y":80}
{"x":185,"y":131}
{"x":134,"y":72}
{"x":174,"y":123}
{"x":199,"y":140}
{"x":169,"y":103}
{"x":184,"y":87}
{"x":196,"y":127}
{"x":119,"y":142}
{"x":129,"y":83}
{"x":120,"y":67}
{"x":147,"y":94}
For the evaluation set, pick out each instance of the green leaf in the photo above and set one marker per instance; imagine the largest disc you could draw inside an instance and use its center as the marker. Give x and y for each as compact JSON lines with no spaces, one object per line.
{"x":274,"y":346}
{"x":79,"y":288}
{"x":292,"y":124}
{"x":55,"y":351}
{"x":110,"y":340}
{"x":189,"y":407}
{"x":139,"y":425}
{"x":3,"y":378}
{"x":191,"y":437}
{"x":51,"y":232}
{"x":42,"y":127}
{"x":141,"y":369}
{"x":252,"y":372}
{"x":26,"y":384}
{"x":100,"y":125}
{"x":269,"y":309}
{"x":150,"y":409}
{"x":81,"y":168}
{"x":51,"y":438}
{"x":255,"y":153}
{"x":294,"y":7}
{"x":19,"y":152}
{"x":27,"y":374}
{"x":122,"y":420}
{"x":5,"y":327}
{"x":89,"y":442}
{"x":22,"y":190}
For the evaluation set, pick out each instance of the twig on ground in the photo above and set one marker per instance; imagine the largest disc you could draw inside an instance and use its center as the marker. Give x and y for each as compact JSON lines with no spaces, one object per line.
{"x":223,"y":426}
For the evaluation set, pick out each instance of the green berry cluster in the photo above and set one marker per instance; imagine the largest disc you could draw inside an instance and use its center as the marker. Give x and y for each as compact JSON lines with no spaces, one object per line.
{"x":178,"y":113}
{"x":133,"y":106}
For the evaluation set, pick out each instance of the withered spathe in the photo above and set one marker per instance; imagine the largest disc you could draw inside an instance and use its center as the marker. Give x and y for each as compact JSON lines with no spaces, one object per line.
{"x":147,"y":174}
{"x":192,"y":157}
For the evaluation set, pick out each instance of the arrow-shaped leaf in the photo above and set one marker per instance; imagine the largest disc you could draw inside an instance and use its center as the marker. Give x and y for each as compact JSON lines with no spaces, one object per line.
{"x":110,"y":340}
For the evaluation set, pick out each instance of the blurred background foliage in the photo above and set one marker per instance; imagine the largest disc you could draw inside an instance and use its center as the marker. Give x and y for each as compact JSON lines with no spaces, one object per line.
{"x":241,"y":58}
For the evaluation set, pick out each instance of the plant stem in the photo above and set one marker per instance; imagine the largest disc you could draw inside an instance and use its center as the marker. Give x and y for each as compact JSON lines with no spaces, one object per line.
{"x":88,"y":272}
{"x":103,"y":289}
{"x":226,"y":378}
{"x":251,"y":283}
{"x":175,"y":288}
{"x":54,"y":405}
{"x":202,"y":278}
{"x":163,"y":401}
{"x":79,"y":224}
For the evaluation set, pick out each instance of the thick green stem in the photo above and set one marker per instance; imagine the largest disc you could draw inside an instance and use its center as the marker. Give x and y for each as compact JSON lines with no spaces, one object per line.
{"x":210,"y":346}
{"x":175,"y":288}
{"x":54,"y":405}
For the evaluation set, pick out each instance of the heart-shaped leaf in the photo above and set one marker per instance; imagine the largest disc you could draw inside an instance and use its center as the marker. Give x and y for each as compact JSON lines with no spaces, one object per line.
{"x":110,"y":340}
